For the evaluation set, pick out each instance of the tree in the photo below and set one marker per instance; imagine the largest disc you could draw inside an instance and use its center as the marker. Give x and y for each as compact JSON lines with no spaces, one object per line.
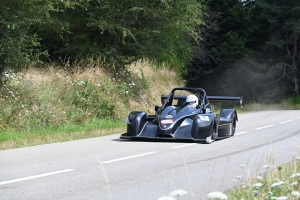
{"x":283,"y":42}
{"x":123,"y":31}
{"x":18,"y":46}
{"x":204,"y":60}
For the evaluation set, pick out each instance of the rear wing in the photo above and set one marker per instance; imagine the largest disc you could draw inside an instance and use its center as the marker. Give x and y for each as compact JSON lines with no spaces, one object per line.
{"x":208,"y":99}
{"x":225,"y":98}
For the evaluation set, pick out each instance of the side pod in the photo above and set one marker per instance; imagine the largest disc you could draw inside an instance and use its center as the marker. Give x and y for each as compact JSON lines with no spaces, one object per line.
{"x":135,"y":122}
{"x":202,"y":129}
{"x":227,"y":124}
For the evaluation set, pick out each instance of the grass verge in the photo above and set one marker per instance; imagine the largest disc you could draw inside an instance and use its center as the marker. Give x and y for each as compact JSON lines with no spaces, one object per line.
{"x":280,"y":183}
{"x":13,"y":139}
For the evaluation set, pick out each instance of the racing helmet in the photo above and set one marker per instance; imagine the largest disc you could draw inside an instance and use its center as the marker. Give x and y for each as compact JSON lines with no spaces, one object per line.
{"x":191,"y":101}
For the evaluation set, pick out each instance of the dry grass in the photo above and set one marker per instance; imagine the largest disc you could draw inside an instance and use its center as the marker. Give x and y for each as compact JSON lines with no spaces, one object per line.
{"x":161,"y":81}
{"x":55,"y":96}
{"x":279,"y":182}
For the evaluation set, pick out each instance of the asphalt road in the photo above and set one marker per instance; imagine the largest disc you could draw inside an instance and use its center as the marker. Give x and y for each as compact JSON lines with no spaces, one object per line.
{"x":107,"y":168}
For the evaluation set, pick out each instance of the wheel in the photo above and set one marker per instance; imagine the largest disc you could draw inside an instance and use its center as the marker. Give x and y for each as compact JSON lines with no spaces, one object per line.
{"x":213,"y":136}
{"x":214,"y":133}
{"x":233,"y":127}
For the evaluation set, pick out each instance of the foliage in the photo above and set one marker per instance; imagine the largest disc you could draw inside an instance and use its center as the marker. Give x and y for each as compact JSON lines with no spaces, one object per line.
{"x":77,"y":96}
{"x":281,"y":182}
{"x":204,"y":60}
{"x":256,"y":48}
{"x":19,"y":47}
{"x":283,"y":41}
{"x":235,"y":29}
{"x":121,"y":32}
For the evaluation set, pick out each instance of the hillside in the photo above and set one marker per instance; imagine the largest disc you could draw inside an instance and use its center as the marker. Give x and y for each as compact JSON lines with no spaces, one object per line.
{"x":49,"y":104}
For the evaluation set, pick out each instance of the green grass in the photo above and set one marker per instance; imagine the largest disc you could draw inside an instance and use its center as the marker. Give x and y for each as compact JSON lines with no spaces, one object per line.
{"x":44,"y":135}
{"x":54,"y":103}
{"x":281,"y":183}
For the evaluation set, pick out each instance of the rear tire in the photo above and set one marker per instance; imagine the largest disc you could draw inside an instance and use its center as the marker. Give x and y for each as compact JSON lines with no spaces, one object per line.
{"x":233,"y":126}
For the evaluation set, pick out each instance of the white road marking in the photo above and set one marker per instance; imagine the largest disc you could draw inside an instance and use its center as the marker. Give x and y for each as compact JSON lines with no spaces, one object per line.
{"x":36,"y":176}
{"x":241,"y":133}
{"x":129,"y":157}
{"x":264,"y":127}
{"x":287,"y":121}
{"x":185,"y":145}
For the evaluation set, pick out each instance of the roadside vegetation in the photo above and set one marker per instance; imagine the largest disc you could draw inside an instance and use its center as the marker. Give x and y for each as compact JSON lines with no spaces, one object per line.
{"x":279,"y":182}
{"x":55,"y":104}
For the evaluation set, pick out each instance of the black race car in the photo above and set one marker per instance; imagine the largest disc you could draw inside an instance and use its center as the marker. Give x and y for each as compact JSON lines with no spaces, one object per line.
{"x":179,"y":120}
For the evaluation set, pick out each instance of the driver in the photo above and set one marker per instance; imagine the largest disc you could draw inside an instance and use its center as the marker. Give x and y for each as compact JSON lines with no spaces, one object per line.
{"x":191,"y":101}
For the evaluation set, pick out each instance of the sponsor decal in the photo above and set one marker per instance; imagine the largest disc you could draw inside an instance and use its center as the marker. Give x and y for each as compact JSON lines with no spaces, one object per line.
{"x":166,"y":121}
{"x":169,"y":116}
{"x":204,"y":118}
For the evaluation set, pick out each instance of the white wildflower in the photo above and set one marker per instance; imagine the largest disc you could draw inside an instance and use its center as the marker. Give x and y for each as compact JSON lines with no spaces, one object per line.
{"x":240,"y":177}
{"x":257,"y":185}
{"x":6,"y":74}
{"x":279,"y":183}
{"x":242,"y":166}
{"x":294,"y":184}
{"x":217,"y":195}
{"x":177,"y":193}
{"x":259,"y":178}
{"x":295,"y":193}
{"x":266,"y":166}
{"x":282,"y":198}
{"x":80,"y":82}
{"x":166,"y":198}
{"x":295,"y":175}
{"x":126,"y":92}
{"x":98,"y":85}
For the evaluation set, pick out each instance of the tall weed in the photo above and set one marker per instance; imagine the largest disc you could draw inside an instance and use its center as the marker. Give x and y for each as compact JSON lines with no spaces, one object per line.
{"x":59,"y":95}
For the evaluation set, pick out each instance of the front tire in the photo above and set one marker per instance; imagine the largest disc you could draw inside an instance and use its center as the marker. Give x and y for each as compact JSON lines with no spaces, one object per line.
{"x":214,"y":134}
